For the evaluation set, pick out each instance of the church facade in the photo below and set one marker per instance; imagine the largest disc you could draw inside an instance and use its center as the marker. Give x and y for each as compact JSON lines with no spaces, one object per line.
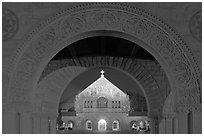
{"x":103,"y":107}
{"x":51,"y":52}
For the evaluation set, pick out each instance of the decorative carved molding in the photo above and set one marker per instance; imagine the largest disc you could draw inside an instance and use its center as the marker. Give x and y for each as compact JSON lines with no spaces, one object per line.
{"x":107,"y":16}
{"x":195,"y":108}
{"x":195,"y":26}
{"x":9,"y":24}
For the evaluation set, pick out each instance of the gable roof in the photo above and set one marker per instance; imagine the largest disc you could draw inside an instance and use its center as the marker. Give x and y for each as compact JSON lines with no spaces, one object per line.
{"x":105,"y":85}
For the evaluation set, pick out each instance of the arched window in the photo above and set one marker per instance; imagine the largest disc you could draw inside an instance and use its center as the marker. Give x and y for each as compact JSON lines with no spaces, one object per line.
{"x":115,"y":125}
{"x":88,"y":125}
{"x":102,"y":102}
{"x":102,"y":125}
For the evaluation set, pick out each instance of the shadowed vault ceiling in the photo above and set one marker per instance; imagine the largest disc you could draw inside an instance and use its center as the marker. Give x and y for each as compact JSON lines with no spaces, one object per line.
{"x":104,"y":46}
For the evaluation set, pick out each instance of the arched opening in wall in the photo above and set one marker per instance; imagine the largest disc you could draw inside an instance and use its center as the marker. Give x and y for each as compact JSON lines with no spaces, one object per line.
{"x":115,"y":125}
{"x":88,"y":125}
{"x":102,"y":102}
{"x":136,"y":93}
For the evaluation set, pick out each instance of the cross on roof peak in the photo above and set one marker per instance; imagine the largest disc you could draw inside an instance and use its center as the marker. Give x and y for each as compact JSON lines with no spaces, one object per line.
{"x":102,"y":73}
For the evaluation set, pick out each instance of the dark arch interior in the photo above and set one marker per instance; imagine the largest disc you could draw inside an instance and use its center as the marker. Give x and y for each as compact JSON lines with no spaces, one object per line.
{"x":106,"y":46}
{"x":103,"y":46}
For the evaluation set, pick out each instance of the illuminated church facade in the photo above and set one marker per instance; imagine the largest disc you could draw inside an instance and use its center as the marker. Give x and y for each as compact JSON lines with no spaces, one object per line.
{"x":103,"y":107}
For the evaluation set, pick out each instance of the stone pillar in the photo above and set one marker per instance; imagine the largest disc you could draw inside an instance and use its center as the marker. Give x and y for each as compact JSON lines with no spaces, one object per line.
{"x":197,"y":121}
{"x":162,"y":126}
{"x":44,"y":123}
{"x":36,"y":125}
{"x":53,"y":125}
{"x":25,"y":123}
{"x":175,"y":125}
{"x":182,"y":123}
{"x":154,"y":126}
{"x":189,"y":118}
{"x":10,"y":122}
{"x":169,"y":125}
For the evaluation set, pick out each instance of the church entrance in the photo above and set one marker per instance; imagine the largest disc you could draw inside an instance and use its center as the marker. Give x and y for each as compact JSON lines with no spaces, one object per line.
{"x":102,"y":125}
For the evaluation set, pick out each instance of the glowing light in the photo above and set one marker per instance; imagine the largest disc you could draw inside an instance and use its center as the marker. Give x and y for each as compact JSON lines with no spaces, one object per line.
{"x":102,"y":125}
{"x":102,"y":121}
{"x":102,"y":73}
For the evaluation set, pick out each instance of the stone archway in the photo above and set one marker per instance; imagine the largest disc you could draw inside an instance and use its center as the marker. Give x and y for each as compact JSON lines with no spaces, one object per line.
{"x":94,"y":19}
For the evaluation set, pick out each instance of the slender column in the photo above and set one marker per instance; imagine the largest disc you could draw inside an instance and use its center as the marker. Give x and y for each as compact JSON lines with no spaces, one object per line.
{"x":166,"y":125}
{"x":162,"y":126}
{"x":44,"y":125}
{"x":189,"y":118}
{"x":53,"y":126}
{"x":175,"y":125}
{"x":36,"y":125}
{"x":182,"y":123}
{"x":154,"y":124}
{"x":197,"y":121}
{"x":169,"y":129}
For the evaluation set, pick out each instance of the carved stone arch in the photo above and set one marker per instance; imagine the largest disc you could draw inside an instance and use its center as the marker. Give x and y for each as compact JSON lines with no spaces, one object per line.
{"x":75,"y":23}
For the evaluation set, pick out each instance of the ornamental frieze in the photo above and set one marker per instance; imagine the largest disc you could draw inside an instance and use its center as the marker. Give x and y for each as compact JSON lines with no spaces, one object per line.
{"x":163,"y":44}
{"x":71,"y":25}
{"x":44,"y":43}
{"x":195,"y":26}
{"x":186,"y":108}
{"x":104,"y":18}
{"x":10,"y":24}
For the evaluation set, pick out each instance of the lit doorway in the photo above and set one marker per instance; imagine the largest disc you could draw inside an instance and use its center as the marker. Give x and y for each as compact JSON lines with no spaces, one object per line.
{"x":102,"y":125}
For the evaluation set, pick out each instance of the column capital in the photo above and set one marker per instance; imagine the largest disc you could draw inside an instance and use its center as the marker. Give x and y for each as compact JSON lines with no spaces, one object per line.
{"x":169,"y":116}
{"x":185,"y":108}
{"x":154,"y":115}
